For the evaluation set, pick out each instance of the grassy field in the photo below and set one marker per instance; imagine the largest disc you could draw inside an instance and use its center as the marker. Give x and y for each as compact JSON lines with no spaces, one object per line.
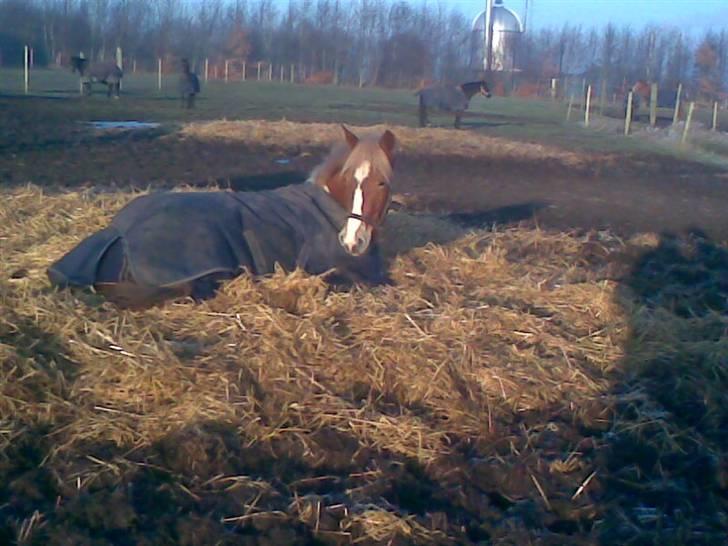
{"x":549,"y":367}
{"x":529,"y":120}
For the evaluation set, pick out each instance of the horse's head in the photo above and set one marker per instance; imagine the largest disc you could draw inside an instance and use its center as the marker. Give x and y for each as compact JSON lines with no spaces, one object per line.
{"x":78,"y":64}
{"x":484,"y":89}
{"x":470,"y":89}
{"x":362,"y":186}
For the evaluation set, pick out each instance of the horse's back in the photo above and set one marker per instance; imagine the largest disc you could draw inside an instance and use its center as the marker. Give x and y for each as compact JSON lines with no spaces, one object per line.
{"x":444,"y":97}
{"x":106,"y":71}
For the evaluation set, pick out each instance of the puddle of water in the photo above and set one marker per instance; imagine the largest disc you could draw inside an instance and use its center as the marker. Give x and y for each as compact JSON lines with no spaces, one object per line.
{"x":131,"y":125}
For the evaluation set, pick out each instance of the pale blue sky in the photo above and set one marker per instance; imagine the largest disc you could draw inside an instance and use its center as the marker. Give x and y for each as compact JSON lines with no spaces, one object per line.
{"x":693,"y":15}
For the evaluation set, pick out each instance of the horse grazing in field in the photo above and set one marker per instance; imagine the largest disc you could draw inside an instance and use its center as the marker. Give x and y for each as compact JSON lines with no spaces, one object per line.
{"x":173,"y":244}
{"x":105,"y":72}
{"x":450,"y":98}
{"x":188,"y":85}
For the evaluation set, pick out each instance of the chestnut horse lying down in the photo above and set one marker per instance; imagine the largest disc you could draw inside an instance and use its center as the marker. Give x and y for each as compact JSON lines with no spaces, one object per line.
{"x":173,"y":244}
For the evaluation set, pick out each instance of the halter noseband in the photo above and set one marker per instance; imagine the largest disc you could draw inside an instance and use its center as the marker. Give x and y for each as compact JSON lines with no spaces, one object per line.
{"x":355,"y":216}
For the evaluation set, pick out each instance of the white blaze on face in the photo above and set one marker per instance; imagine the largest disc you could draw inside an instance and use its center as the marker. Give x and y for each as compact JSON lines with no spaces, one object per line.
{"x":353,"y":225}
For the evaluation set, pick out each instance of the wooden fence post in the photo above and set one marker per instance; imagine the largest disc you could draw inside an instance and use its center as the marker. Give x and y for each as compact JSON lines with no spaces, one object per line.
{"x":569,"y":107}
{"x":227,"y":70}
{"x":258,"y":70}
{"x":293,"y":78}
{"x":653,"y":104}
{"x":159,"y":73}
{"x":270,"y":72}
{"x":120,"y":61}
{"x":207,"y":68}
{"x":686,"y":129}
{"x":628,"y":114}
{"x":714,"y":126}
{"x":26,"y":73}
{"x":133,"y":66}
{"x":245,"y":69}
{"x":676,"y":113}
{"x":588,"y":106}
{"x":282,"y":75}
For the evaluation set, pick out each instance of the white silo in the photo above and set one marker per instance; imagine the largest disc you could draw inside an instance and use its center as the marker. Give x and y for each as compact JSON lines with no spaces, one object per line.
{"x":506,"y":27}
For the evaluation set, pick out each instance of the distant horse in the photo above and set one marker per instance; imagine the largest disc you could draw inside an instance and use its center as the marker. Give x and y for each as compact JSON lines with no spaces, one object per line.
{"x":188,"y":85}
{"x":642,"y":95}
{"x":105,"y":72}
{"x":172,"y":244}
{"x":450,"y":98}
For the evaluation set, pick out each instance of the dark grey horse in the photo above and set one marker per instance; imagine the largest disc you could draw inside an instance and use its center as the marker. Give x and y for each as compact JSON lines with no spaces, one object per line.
{"x":105,"y":72}
{"x":188,"y":85}
{"x":450,"y":98}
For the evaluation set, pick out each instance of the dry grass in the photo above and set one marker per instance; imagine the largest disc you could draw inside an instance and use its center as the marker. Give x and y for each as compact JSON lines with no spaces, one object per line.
{"x":483,"y":397}
{"x":430,"y":141}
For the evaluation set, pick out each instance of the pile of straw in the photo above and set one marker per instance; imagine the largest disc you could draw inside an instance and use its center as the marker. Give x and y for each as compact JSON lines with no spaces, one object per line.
{"x":504,"y":390}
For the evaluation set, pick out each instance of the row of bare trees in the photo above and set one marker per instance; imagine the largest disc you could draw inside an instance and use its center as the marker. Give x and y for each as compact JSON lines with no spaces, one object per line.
{"x":372,"y":42}
{"x":617,"y":57}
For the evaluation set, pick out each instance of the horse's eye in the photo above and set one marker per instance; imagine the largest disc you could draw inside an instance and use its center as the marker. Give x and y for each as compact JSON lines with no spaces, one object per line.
{"x":382,"y":184}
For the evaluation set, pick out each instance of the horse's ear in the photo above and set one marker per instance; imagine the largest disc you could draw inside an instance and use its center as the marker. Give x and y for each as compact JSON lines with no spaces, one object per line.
{"x":351,"y":138}
{"x":387,"y":142}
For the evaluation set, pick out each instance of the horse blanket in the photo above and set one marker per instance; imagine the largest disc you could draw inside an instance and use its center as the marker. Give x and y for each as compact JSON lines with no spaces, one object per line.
{"x":188,"y":84}
{"x":104,"y":72}
{"x":167,"y":239}
{"x":449,"y":98}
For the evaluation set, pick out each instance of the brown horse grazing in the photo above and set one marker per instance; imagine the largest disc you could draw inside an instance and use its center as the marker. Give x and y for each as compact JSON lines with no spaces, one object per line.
{"x":173,"y":244}
{"x":450,"y":98}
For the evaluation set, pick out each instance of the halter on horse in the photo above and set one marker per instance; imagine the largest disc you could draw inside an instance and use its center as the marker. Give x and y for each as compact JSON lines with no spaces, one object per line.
{"x":171,"y":244}
{"x":450,"y":98}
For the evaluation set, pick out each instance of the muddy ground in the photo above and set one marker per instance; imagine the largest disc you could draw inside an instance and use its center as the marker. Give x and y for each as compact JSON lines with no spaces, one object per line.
{"x":628,"y":193}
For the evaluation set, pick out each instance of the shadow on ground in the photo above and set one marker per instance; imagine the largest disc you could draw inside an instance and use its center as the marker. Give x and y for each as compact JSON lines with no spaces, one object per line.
{"x":665,"y":463}
{"x":659,"y":455}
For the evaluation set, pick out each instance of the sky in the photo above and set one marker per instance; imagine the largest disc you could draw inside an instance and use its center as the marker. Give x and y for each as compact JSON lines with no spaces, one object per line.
{"x":692,"y":15}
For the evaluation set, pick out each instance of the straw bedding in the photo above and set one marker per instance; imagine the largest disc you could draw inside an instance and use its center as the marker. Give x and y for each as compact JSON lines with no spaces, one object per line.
{"x":513,"y":386}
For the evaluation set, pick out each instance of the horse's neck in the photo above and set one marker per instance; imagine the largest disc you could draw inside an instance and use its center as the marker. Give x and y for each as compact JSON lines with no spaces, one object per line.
{"x":470,"y":89}
{"x":329,"y":170}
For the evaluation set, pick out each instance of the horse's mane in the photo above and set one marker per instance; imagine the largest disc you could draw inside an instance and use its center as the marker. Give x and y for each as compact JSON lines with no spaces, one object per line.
{"x":342,"y":159}
{"x":473,"y":84}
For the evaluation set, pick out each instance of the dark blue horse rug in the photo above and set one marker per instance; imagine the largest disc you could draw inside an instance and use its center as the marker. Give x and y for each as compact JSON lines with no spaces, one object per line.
{"x":171,"y":244}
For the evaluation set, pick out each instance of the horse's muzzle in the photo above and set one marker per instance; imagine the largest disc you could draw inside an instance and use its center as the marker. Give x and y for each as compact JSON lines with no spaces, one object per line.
{"x":355,"y":237}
